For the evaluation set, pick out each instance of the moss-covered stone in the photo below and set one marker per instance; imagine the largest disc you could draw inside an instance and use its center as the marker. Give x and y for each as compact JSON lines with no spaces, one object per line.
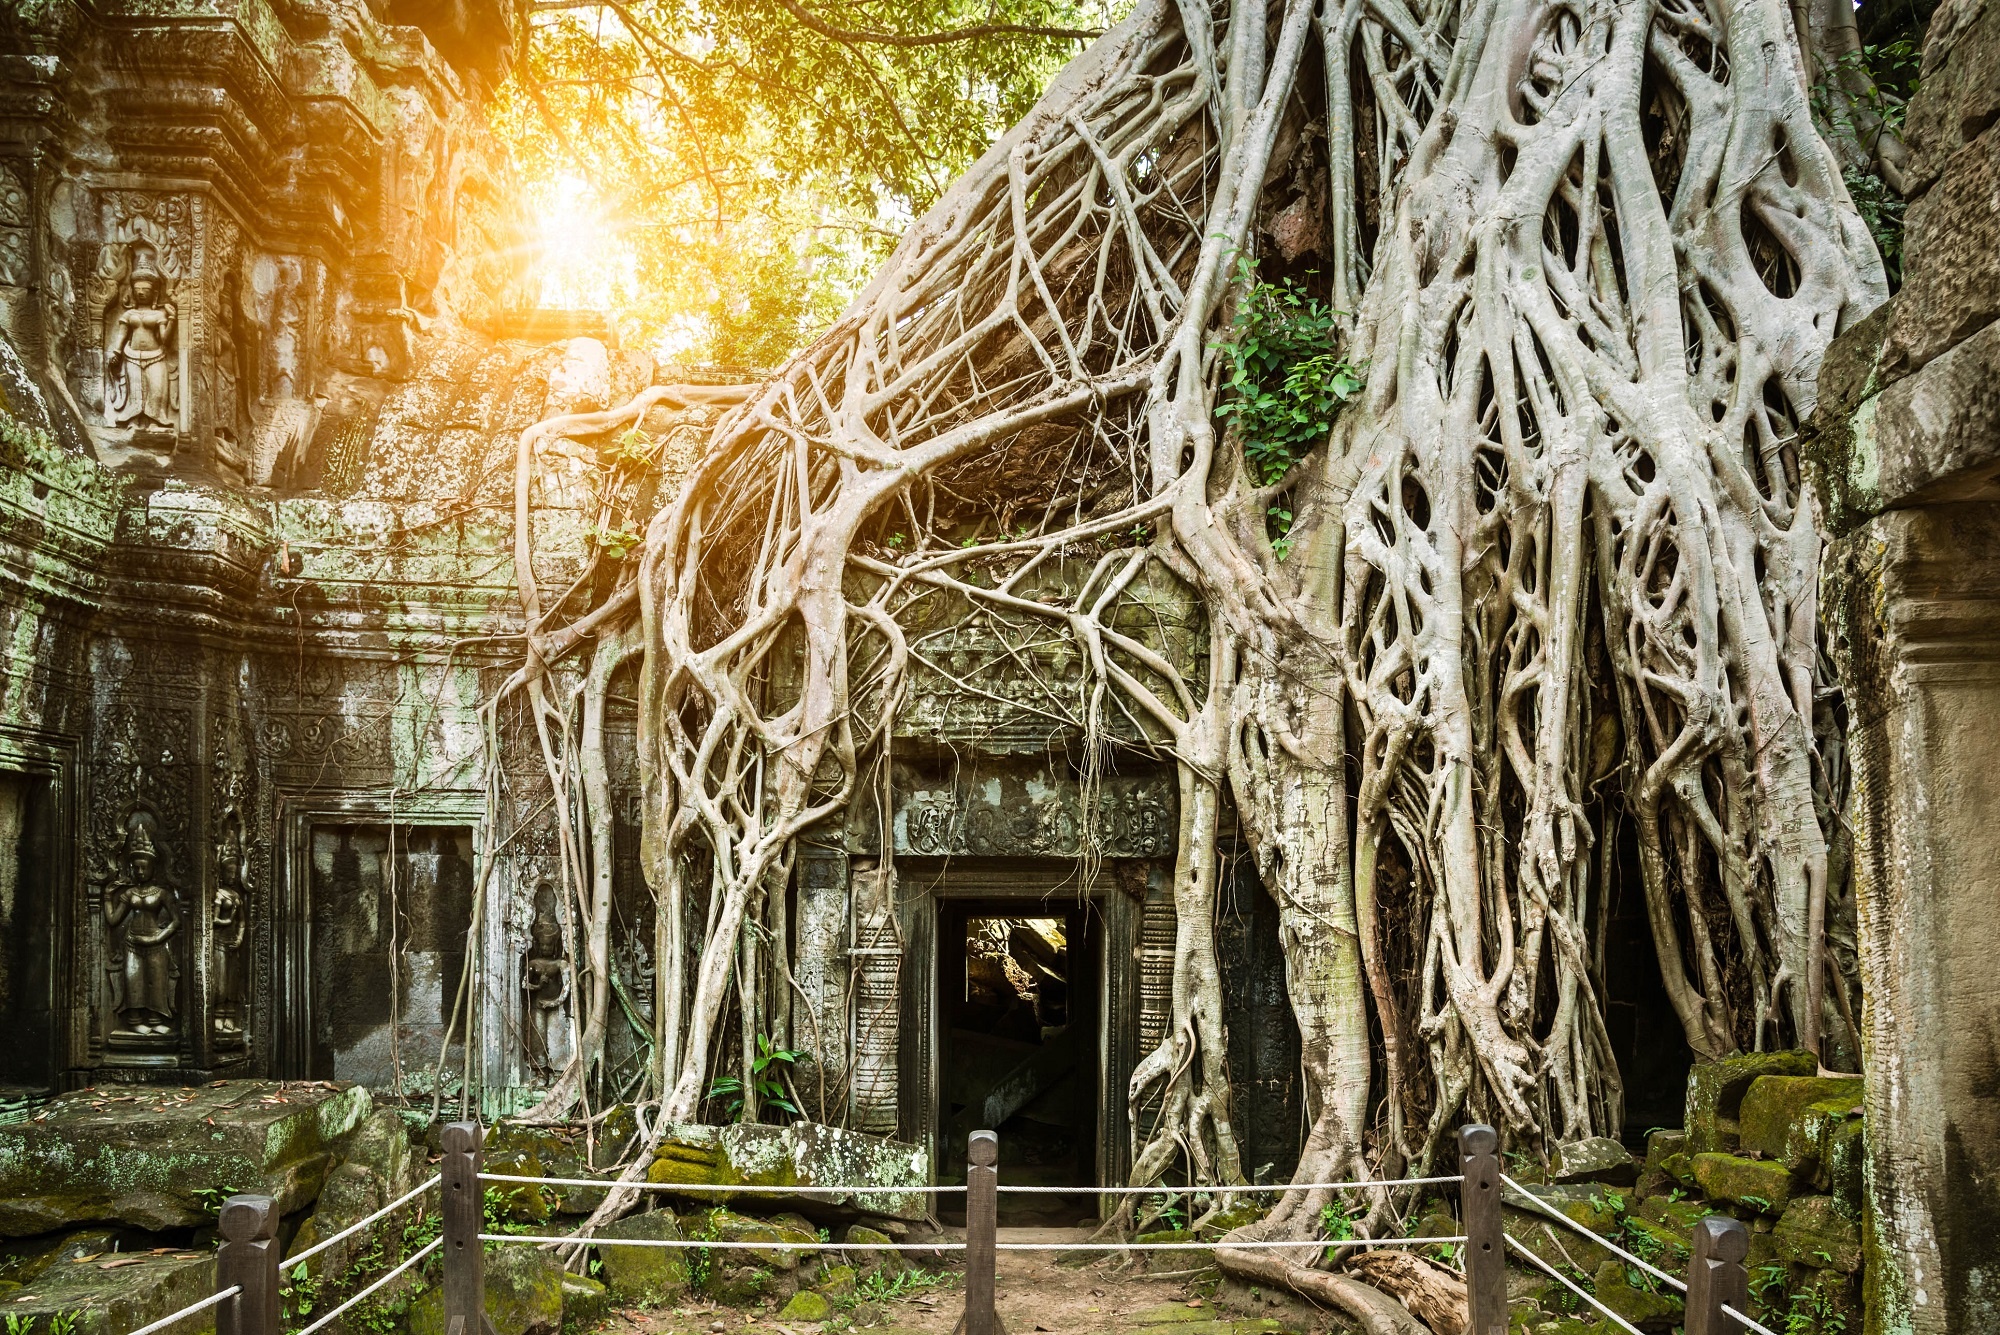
{"x":524,"y":1295}
{"x":1214,"y":1325}
{"x":806,"y":1306}
{"x":644,"y":1274}
{"x":1763,"y":1184}
{"x":1597,"y":1159}
{"x":1663,"y":1244}
{"x":557,"y":1151}
{"x":585,"y":1301}
{"x":793,"y":1241}
{"x":1773,"y":1106}
{"x":1824,"y":1144}
{"x":1550,"y":1239}
{"x":377,"y":1166}
{"x":1814,"y":1231}
{"x":1680,"y":1216}
{"x":860,"y":1235}
{"x":1715,"y":1094}
{"x":837,"y":1281}
{"x":113,"y":1293}
{"x":1615,"y":1287}
{"x":744,"y":1284}
{"x":803,"y":1154}
{"x":157,"y":1158}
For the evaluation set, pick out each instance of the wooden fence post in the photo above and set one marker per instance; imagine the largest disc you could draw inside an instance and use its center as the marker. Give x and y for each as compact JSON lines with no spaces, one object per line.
{"x":982,"y":1222}
{"x":463,"y":1206}
{"x":1716,"y":1276}
{"x":1485,"y":1242}
{"x":248,"y":1259}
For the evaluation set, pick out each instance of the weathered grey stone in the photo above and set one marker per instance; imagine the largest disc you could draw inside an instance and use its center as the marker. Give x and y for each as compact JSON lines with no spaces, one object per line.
{"x":644,"y":1274}
{"x":1952,"y":265}
{"x":1958,"y":96}
{"x":1550,"y":1239}
{"x":585,"y":1301}
{"x":1715,"y":1094}
{"x":891,"y":1263}
{"x":376,"y":1167}
{"x":837,"y":1281}
{"x":553,"y":1151}
{"x":1598,"y":1159}
{"x":156,"y":1158}
{"x":798,"y":1242}
{"x":802,"y":1154}
{"x":1815,"y":1231}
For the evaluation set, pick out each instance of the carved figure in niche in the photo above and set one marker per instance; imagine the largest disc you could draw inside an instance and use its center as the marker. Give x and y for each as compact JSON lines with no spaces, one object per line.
{"x":231,"y":922}
{"x":544,"y":985}
{"x":141,"y":329}
{"x":143,"y":922}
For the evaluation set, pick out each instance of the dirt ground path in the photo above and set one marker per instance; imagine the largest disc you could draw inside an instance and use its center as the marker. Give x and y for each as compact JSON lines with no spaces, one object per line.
{"x":1036,"y":1294}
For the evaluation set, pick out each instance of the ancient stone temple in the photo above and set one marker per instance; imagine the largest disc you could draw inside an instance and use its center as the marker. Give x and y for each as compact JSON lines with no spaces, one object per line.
{"x":267,"y":352}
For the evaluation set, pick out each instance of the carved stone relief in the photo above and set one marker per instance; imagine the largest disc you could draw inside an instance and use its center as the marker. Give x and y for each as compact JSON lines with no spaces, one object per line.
{"x":138,"y":372}
{"x":545,"y":987}
{"x":143,"y":923}
{"x":1009,"y":815}
{"x":229,"y":925}
{"x":16,"y":220}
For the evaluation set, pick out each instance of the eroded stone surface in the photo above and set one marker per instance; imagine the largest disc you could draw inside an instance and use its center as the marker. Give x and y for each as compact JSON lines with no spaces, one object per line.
{"x":802,"y":1154}
{"x":164,"y":1158}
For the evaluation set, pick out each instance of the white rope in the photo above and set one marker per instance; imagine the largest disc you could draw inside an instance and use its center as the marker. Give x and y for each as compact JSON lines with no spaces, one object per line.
{"x":354,"y":1228}
{"x":1210,"y":1246}
{"x":210,"y":1301}
{"x":579,"y":1240}
{"x":1594,"y":1236}
{"x":419,"y":1255}
{"x":696,"y":1186}
{"x":1727,"y":1310}
{"x":1564,"y":1280}
{"x":1232,"y":1190}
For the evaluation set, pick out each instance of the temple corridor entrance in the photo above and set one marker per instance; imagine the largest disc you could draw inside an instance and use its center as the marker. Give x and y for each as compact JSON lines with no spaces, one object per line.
{"x":29,"y":1056}
{"x":389,"y":909}
{"x":1020,"y":1045}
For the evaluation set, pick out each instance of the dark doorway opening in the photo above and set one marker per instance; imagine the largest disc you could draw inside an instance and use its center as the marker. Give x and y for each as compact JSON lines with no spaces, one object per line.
{"x":28,"y":900}
{"x":1646,"y":1034}
{"x":1020,"y":1047}
{"x":391,"y":906}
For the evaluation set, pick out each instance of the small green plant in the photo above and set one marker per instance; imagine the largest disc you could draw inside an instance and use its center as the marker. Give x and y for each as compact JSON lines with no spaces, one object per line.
{"x":19,"y":1323}
{"x":765,"y":1069}
{"x":1284,"y":378}
{"x":1758,"y":1203}
{"x":1812,"y":1313}
{"x":1336,"y":1223}
{"x":880,"y":1286}
{"x":1765,"y":1278}
{"x":634,"y":447}
{"x":211,"y":1198}
{"x":301,"y":1295}
{"x":1278,"y":523}
{"x":63,"y":1323}
{"x":614,"y":542}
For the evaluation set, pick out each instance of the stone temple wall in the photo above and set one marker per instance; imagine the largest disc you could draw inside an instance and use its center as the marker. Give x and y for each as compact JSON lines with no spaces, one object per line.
{"x":1906,"y":448}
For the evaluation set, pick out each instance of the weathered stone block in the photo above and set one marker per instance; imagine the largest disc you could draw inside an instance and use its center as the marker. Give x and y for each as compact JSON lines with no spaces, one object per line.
{"x":1598,"y":1159}
{"x":837,"y":1281}
{"x":156,"y":1158}
{"x":376,"y":1167}
{"x":1761,"y":1184}
{"x":803,"y":1154}
{"x":1951,"y":261}
{"x":796,"y":1242}
{"x":1824,"y":1141}
{"x":585,"y":1301}
{"x":554,"y":1151}
{"x":1716,"y":1089}
{"x":1959,"y":95}
{"x":1637,"y":1303}
{"x":644,"y":1274}
{"x":1774,"y":1104}
{"x":114,"y":1293}
{"x":1552,"y":1240}
{"x":1680,"y":1216}
{"x":524,"y":1294}
{"x":1814,"y":1231}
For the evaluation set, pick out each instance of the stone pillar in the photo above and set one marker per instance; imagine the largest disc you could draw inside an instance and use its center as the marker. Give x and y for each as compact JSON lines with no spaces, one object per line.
{"x":1905,"y":448}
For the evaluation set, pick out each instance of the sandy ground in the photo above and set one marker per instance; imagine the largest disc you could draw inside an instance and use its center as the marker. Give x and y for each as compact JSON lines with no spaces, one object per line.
{"x":1036,"y":1295}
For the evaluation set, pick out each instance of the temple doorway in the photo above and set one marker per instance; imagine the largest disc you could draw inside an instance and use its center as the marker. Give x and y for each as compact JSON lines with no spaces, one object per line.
{"x":30,"y":1056}
{"x":1020,"y":1046}
{"x":389,"y":909}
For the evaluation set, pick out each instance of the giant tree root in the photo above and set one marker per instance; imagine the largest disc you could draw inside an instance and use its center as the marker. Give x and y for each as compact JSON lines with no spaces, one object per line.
{"x":1375,"y":1311}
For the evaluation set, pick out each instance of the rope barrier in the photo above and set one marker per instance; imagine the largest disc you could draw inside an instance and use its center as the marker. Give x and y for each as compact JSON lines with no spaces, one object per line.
{"x":1564,"y":1280}
{"x":1727,"y":1310}
{"x":1594,"y":1235}
{"x":415,"y":1257}
{"x":1211,"y":1246}
{"x":1229,"y":1190}
{"x":696,"y":1186}
{"x":210,"y":1301}
{"x":578,"y":1240}
{"x":354,"y":1228}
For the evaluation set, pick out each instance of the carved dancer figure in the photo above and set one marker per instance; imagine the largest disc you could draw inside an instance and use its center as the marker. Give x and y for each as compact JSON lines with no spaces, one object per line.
{"x":545,"y":982}
{"x":143,"y":920}
{"x":232,"y":929}
{"x":139,"y":379}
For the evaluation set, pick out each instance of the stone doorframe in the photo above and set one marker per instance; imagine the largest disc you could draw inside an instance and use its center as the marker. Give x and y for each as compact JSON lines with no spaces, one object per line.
{"x":52,"y":759}
{"x":291,"y":939}
{"x":924,"y":887}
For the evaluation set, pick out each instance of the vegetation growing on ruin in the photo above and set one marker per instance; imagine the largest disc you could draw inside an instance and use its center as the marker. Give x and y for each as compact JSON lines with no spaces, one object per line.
{"x":1450,"y":357}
